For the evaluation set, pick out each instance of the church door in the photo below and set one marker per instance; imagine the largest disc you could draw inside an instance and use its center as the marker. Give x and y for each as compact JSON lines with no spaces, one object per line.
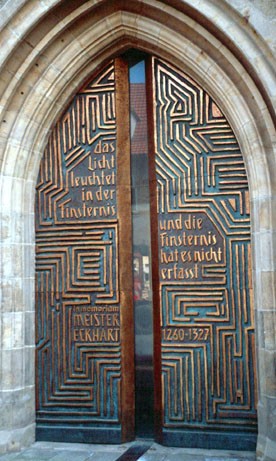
{"x":144,"y":311}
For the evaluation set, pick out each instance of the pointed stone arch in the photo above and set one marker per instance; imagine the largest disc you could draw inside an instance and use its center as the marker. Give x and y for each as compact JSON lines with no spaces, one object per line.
{"x":51,"y":50}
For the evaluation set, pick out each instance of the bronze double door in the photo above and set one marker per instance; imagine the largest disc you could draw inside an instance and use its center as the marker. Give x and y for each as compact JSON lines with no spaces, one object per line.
{"x":143,"y":266}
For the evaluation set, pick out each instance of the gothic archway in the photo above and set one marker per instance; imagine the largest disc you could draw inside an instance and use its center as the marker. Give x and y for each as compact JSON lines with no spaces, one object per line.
{"x":44,"y":63}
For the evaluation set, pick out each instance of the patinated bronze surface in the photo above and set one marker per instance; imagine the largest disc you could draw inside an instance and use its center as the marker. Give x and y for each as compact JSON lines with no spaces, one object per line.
{"x":204,"y":274}
{"x":205,"y":384}
{"x":83,"y":240}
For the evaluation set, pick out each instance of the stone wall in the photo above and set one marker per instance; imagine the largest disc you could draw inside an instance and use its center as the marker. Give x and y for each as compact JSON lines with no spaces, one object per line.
{"x":261,"y":16}
{"x":48,"y":48}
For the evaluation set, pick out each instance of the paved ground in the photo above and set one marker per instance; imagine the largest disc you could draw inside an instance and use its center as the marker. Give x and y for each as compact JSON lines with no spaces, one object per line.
{"x":50,"y":451}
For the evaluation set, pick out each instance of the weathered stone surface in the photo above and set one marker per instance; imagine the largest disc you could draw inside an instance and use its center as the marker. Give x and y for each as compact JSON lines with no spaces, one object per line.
{"x":48,"y":69}
{"x":66,"y":452}
{"x":261,"y":14}
{"x":15,"y":439}
{"x":267,"y":325}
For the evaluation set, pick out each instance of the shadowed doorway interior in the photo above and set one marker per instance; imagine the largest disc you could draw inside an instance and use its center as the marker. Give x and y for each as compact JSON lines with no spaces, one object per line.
{"x":142,"y":287}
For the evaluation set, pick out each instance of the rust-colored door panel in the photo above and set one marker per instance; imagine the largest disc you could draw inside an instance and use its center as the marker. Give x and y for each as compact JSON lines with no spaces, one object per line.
{"x":205,"y":379}
{"x":84,"y":327}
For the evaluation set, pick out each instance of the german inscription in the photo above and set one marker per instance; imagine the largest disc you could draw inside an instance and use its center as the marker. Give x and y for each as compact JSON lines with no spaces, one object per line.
{"x":187,"y":243}
{"x":204,"y":261}
{"x":91,"y":186}
{"x":95,"y":324}
{"x":78,"y":308}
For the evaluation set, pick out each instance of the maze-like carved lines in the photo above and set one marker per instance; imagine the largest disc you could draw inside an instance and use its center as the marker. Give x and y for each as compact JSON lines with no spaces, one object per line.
{"x":76,"y":268}
{"x":185,"y":384}
{"x":200,"y":170}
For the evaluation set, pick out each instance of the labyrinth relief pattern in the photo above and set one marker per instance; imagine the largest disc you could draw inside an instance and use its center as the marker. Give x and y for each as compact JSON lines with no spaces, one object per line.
{"x":208,"y":377}
{"x":78,"y":317}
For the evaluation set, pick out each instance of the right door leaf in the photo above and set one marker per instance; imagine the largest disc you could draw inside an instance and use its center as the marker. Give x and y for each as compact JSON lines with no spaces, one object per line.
{"x":207,"y":353}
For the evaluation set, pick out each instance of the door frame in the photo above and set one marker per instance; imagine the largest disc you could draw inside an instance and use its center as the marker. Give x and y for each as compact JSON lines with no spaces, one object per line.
{"x":249,"y":85}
